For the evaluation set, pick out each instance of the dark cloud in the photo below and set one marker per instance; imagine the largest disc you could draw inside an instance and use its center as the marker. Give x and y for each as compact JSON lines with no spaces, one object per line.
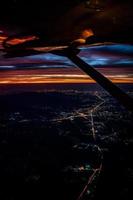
{"x":64,"y":20}
{"x":115,"y":55}
{"x":118,"y":70}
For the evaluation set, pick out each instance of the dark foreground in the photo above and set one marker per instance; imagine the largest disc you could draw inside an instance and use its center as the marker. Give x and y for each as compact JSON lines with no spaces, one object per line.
{"x":52,"y":142}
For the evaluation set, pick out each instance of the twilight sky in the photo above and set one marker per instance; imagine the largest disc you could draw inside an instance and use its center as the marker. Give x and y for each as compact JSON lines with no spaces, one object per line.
{"x":61,"y":22}
{"x":113,"y":60}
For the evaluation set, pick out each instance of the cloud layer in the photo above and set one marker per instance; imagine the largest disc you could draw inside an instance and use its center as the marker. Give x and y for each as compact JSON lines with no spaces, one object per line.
{"x":115,"y":61}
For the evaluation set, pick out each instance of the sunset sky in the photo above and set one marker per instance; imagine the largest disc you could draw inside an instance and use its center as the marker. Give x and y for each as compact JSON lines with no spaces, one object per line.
{"x":115,"y":61}
{"x":59,"y":23}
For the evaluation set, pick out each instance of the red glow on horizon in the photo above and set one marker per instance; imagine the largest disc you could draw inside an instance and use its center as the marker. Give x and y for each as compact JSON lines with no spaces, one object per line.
{"x":60,"y":76}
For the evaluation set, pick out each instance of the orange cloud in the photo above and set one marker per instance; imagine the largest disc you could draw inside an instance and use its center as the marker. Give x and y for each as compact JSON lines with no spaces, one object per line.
{"x":16,"y":41}
{"x":87,"y":33}
{"x":84,"y":35}
{"x":2,"y":38}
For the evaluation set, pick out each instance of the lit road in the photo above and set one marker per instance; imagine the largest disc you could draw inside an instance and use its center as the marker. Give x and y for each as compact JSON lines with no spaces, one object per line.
{"x":93,"y":111}
{"x":87,"y":114}
{"x":97,"y":170}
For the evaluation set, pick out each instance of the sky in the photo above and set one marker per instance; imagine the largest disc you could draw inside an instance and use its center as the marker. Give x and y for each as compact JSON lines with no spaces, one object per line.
{"x":115,"y":61}
{"x":62,"y":22}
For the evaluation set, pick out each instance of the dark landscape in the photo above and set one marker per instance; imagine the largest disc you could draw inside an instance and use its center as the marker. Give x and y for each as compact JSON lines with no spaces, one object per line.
{"x":59,"y":142}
